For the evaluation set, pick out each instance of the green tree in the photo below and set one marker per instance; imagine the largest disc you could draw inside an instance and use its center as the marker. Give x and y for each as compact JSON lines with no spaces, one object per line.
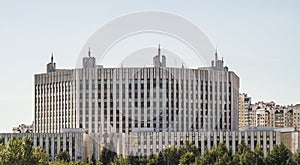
{"x":143,"y":160}
{"x":119,"y":160}
{"x":187,"y":158}
{"x":259,"y":155}
{"x":188,"y":147}
{"x":224,"y":154}
{"x":13,"y":152}
{"x":244,"y":155}
{"x":27,"y":149}
{"x":160,"y":159}
{"x":107,"y":156}
{"x":219,"y":155}
{"x":39,"y":156}
{"x":63,"y":156}
{"x":133,"y":160}
{"x":171,"y":155}
{"x":151,"y":160}
{"x":59,"y":162}
{"x":2,"y":153}
{"x":2,"y":140}
{"x":20,"y":151}
{"x":208,"y":157}
{"x":77,"y":163}
{"x":93,"y":159}
{"x":279,"y":155}
{"x":296,"y":158}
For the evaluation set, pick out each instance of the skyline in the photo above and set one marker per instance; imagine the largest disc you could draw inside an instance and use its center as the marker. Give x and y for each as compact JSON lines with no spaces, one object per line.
{"x":242,"y":32}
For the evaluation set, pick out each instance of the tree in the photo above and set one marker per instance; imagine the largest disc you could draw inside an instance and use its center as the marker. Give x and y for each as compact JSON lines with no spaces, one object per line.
{"x":219,"y":155}
{"x":143,"y":160}
{"x":133,"y":160}
{"x":2,"y":140}
{"x":224,"y":154}
{"x":188,"y":147}
{"x":27,"y":151}
{"x":119,"y":160}
{"x":296,"y":158}
{"x":160,"y":159}
{"x":39,"y":156}
{"x":63,"y":156}
{"x":107,"y":156}
{"x":279,"y":155}
{"x":20,"y":151}
{"x":13,"y":152}
{"x":171,"y":155}
{"x":259,"y":155}
{"x":151,"y":160}
{"x":187,"y":158}
{"x":93,"y":159}
{"x":208,"y":157}
{"x":2,"y":153}
{"x":244,"y":155}
{"x":59,"y":162}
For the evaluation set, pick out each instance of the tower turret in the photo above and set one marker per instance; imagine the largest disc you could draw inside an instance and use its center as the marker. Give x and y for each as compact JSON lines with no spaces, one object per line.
{"x":89,"y":62}
{"x":156,"y":59}
{"x":217,"y":63}
{"x":51,"y":67}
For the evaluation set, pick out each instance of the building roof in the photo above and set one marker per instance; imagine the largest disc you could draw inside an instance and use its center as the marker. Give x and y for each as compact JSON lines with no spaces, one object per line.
{"x":250,"y":128}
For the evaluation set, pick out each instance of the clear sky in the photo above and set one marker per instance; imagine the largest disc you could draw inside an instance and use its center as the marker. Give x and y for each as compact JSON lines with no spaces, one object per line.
{"x":260,"y":41}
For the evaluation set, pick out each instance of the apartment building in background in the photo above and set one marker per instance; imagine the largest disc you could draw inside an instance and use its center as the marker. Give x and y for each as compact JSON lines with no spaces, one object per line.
{"x":245,"y":111}
{"x":268,"y":114}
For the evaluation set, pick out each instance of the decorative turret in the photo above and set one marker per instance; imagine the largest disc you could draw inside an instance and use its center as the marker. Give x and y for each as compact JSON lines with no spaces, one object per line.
{"x":51,"y":67}
{"x":156,"y":59}
{"x":216,"y":63}
{"x":89,"y":62}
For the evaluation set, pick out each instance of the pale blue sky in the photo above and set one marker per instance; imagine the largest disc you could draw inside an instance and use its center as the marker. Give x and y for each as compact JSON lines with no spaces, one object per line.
{"x":258,"y":39}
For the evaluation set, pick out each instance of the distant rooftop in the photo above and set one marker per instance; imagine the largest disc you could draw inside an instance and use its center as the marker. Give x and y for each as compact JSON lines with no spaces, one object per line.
{"x":250,"y":128}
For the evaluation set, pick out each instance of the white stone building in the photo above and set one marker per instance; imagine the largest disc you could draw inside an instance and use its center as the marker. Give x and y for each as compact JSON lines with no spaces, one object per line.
{"x":124,"y":100}
{"x":119,"y":100}
{"x":139,"y":111}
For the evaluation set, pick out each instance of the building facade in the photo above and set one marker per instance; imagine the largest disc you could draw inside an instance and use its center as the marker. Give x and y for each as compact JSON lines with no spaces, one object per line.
{"x":266,"y":139}
{"x":126,"y":101}
{"x":245,"y":111}
{"x":78,"y":143}
{"x":122,"y":99}
{"x":292,"y":116}
{"x":141,"y":111}
{"x":263,"y":114}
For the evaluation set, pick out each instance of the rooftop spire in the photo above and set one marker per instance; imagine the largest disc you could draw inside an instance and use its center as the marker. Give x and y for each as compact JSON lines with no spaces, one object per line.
{"x":89,"y":53}
{"x":52,"y":58}
{"x":51,"y":66}
{"x":159,"y":50}
{"x":216,"y":55}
